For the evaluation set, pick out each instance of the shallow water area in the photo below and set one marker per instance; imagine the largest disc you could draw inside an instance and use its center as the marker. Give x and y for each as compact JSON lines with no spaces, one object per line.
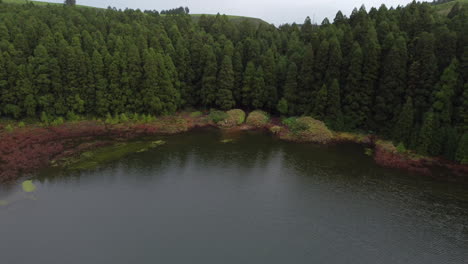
{"x":208,"y":196}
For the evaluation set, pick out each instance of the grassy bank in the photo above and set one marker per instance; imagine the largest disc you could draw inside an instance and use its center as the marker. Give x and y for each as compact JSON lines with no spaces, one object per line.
{"x":84,"y":143}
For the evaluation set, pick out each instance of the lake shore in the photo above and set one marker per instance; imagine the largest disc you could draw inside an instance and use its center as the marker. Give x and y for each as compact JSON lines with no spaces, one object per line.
{"x":28,"y":148}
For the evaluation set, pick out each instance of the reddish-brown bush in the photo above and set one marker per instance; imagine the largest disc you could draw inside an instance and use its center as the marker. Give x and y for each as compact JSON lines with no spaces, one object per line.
{"x":392,"y":159}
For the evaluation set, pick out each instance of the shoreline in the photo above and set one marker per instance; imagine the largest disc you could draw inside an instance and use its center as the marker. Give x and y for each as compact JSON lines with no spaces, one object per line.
{"x":29,"y":148}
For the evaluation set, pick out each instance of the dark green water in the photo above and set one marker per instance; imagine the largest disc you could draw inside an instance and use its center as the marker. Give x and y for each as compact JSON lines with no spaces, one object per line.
{"x":255,"y":200}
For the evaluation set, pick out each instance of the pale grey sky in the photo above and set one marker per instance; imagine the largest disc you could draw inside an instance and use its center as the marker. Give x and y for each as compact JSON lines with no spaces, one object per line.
{"x":273,"y":11}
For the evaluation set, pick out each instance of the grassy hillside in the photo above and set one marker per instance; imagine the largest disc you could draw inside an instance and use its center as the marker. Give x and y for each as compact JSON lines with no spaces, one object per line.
{"x":196,"y":17}
{"x":236,"y":19}
{"x":25,"y":1}
{"x":445,"y":8}
{"x":37,"y":3}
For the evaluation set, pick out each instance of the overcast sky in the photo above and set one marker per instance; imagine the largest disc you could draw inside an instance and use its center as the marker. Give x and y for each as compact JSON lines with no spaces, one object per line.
{"x":273,"y":11}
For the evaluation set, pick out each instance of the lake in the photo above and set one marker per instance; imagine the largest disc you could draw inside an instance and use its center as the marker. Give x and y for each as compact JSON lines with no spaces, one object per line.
{"x":253,"y":200}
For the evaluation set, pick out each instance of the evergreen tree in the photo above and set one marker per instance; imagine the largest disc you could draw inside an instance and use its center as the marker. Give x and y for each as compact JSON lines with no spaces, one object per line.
{"x":421,"y":73}
{"x":282,"y":106}
{"x":151,"y":101}
{"x":258,"y":92}
{"x":70,"y":2}
{"x":334,"y":115}
{"x":307,"y":30}
{"x":426,"y":134}
{"x":321,"y":103}
{"x":321,"y":63}
{"x":238,"y":76}
{"x":462,"y":151}
{"x":134,"y":72}
{"x":248,"y":86}
{"x":114,"y":88}
{"x":370,"y":70}
{"x":27,"y":93}
{"x":445,"y":90}
{"x":269,"y":70}
{"x":462,"y":110}
{"x":168,"y":92}
{"x":404,"y":124}
{"x":334,"y":61}
{"x":450,"y":145}
{"x":102,"y":102}
{"x":208,"y":89}
{"x":224,"y":98}
{"x":306,"y":82}
{"x":356,"y":103}
{"x":392,"y":85}
{"x":290,"y":89}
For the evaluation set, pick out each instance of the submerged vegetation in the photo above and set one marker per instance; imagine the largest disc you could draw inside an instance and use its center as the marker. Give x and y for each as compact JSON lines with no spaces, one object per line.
{"x":28,"y":186}
{"x":94,"y":158}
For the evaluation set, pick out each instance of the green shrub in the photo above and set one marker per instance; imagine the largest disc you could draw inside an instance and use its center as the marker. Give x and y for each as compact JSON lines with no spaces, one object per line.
{"x":462,"y":151}
{"x":196,"y":114}
{"x":58,"y":121}
{"x":44,"y":118}
{"x":135,"y":117}
{"x":282,"y":106}
{"x":310,"y":130}
{"x":307,"y":123}
{"x":71,"y":116}
{"x":295,"y":125}
{"x":289,"y":122}
{"x":123,"y":117}
{"x":258,"y":118}
{"x":233,"y":118}
{"x":237,"y":115}
{"x":217,"y":116}
{"x":401,"y":148}
{"x":275,"y":130}
{"x":21,"y":124}
{"x":147,"y":118}
{"x":150,"y":118}
{"x":143,"y":118}
{"x":110,"y":120}
{"x":9,"y":128}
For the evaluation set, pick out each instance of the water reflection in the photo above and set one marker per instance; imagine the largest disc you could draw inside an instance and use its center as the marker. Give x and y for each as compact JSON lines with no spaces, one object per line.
{"x":253,"y":200}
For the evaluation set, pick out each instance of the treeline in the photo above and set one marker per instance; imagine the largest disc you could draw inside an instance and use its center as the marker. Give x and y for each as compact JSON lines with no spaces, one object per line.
{"x":401,"y":73}
{"x":176,"y":11}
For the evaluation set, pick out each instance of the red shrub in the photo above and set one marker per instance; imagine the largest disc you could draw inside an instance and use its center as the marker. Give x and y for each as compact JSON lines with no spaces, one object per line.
{"x":390,"y":159}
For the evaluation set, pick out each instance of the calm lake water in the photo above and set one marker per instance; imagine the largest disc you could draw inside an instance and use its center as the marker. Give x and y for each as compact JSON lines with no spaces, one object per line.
{"x":254,"y":200}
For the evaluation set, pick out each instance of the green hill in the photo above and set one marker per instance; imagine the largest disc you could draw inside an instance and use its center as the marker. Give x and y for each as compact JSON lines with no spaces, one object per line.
{"x":37,"y":3}
{"x":236,"y":19}
{"x":196,"y":17}
{"x":445,"y":8}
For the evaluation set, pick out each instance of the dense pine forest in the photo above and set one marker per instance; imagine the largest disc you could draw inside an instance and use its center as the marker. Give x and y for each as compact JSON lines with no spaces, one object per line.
{"x":401,"y":73}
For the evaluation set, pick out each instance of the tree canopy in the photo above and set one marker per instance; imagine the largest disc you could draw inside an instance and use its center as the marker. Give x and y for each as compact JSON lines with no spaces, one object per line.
{"x":400,"y":72}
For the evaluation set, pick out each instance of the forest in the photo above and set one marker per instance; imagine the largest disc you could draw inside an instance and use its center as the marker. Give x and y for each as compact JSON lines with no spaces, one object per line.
{"x":400,"y":73}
